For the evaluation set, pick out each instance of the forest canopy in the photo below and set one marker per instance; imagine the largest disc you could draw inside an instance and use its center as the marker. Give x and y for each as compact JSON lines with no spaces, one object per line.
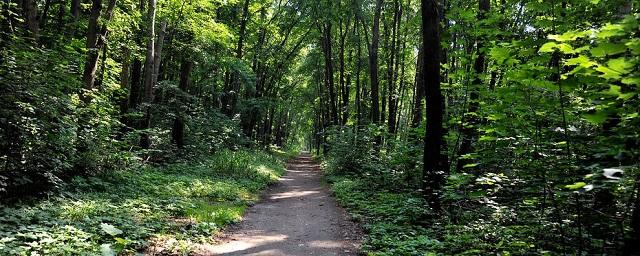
{"x":445,"y":126}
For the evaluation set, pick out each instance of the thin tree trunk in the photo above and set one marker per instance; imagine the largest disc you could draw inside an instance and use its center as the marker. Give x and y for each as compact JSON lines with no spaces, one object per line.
{"x":177,"y":133}
{"x":75,"y":9}
{"x":373,"y":64}
{"x":393,"y":68}
{"x":145,"y":139}
{"x":328,"y":72}
{"x":343,"y":83}
{"x":358,"y":69}
{"x":232,"y":85}
{"x":418,"y":94}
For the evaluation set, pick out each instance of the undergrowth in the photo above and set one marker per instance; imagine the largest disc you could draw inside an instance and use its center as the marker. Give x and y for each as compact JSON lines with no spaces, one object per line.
{"x":174,"y":208}
{"x":398,"y":223}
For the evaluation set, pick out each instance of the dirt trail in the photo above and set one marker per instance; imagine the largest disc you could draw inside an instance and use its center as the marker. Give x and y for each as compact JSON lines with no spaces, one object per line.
{"x":295,"y":217}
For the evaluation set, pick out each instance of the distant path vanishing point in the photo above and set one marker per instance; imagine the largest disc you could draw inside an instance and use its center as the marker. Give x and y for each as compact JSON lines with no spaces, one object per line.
{"x":295,"y":217}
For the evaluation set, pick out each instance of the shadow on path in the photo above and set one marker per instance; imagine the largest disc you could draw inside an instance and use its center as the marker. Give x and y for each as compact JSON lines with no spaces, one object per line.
{"x":295,"y":217}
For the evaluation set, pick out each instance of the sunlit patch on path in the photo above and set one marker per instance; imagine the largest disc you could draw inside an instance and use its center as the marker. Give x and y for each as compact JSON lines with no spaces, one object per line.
{"x":296,"y":217}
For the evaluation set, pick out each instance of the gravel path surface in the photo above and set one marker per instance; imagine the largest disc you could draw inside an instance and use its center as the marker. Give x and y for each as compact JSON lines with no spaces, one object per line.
{"x":295,"y":217}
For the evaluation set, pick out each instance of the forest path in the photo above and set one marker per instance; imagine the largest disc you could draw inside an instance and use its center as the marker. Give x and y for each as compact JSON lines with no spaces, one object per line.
{"x":295,"y":217}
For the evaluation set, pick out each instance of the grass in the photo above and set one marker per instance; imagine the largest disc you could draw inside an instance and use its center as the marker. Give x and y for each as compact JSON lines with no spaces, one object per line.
{"x":177,"y":207}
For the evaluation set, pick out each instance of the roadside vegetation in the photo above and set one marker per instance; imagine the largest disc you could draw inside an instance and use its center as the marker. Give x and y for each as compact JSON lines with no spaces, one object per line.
{"x":169,"y":209}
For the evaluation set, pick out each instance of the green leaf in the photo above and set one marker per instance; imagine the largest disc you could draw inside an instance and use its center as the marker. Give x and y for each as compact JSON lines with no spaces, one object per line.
{"x":631,"y":80}
{"x":626,"y":96}
{"x":581,"y":60}
{"x":470,"y":165}
{"x":596,"y":118}
{"x":548,"y":47}
{"x":605,"y":49}
{"x":500,"y":54}
{"x":566,"y":49}
{"x":621,"y":65}
{"x":577,"y":185}
{"x":487,"y":138}
{"x":634,"y":46}
{"x":608,"y":73}
{"x":110,"y":229}
{"x":610,"y":30}
{"x":569,"y":36}
{"x":614,"y":90}
{"x":105,"y":250}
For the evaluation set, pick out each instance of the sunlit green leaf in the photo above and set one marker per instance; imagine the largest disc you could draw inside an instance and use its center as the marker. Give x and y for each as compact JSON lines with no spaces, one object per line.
{"x":621,"y":65}
{"x":605,"y":49}
{"x":608,"y":73}
{"x":581,"y":60}
{"x":548,"y":47}
{"x":110,"y":229}
{"x":577,"y":185}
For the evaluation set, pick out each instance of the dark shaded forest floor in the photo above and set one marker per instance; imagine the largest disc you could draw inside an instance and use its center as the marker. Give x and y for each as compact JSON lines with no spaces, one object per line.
{"x":295,"y":217}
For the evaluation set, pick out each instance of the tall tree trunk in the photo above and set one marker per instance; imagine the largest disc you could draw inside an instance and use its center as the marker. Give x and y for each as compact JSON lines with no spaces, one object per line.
{"x":435,"y":162}
{"x":157,"y":56}
{"x":343,"y":84}
{"x":177,"y":133}
{"x":418,"y":94}
{"x":145,"y":139}
{"x":358,"y":68}
{"x":469,"y":132}
{"x":125,"y":82}
{"x":328,"y":72}
{"x":232,"y":85}
{"x":30,"y":12}
{"x":393,"y":68}
{"x":135,"y":91}
{"x":373,"y":64}
{"x":95,"y":41}
{"x":385,"y":86}
{"x":75,"y":9}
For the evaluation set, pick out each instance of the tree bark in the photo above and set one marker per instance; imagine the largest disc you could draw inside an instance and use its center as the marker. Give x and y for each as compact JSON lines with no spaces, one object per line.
{"x":435,"y":162}
{"x":95,"y":41}
{"x":392,"y":69}
{"x":177,"y":133}
{"x":75,"y":9}
{"x":232,"y":85}
{"x":373,"y":64}
{"x":344,"y":84}
{"x":328,"y":72}
{"x":145,"y":139}
{"x":418,"y":93}
{"x":30,"y":12}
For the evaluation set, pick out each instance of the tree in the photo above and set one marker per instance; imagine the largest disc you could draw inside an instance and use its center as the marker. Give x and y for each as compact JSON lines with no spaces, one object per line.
{"x":435,"y":162}
{"x":149,"y":74}
{"x":96,"y":36}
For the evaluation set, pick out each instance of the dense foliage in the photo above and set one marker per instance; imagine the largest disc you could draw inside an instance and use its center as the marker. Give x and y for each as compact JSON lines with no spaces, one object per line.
{"x":539,"y":109}
{"x":446,"y":126}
